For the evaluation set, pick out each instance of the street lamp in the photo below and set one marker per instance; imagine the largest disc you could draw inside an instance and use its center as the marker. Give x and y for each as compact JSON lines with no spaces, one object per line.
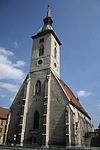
{"x":14,"y":139}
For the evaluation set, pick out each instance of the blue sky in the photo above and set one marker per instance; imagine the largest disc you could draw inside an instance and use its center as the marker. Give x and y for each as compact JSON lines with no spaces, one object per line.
{"x":77,"y":24}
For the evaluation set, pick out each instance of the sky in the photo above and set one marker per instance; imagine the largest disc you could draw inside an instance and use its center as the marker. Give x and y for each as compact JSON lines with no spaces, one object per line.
{"x":77,"y":25}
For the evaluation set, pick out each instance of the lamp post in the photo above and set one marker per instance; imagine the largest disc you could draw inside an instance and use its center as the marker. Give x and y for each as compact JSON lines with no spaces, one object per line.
{"x":14,"y":139}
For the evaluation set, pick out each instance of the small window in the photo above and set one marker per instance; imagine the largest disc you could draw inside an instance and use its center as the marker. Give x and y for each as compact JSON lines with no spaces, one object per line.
{"x":55,"y":53}
{"x":55,"y":44}
{"x":41,"y":40}
{"x":21,"y":120}
{"x":41,"y":50}
{"x":1,"y":122}
{"x":1,"y":129}
{"x":36,"y":120}
{"x":23,"y":102}
{"x":38,"y":87}
{"x":20,"y":129}
{"x":55,"y":65}
{"x":22,"y":110}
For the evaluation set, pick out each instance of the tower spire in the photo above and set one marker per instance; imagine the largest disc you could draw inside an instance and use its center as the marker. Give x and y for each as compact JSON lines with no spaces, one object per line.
{"x":47,"y":20}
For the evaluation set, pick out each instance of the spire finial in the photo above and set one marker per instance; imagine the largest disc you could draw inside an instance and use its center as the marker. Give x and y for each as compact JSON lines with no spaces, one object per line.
{"x":48,"y":19}
{"x":48,"y":11}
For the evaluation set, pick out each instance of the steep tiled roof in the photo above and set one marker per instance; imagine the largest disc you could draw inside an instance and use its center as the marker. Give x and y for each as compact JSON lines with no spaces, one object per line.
{"x":3,"y":113}
{"x":74,"y":101}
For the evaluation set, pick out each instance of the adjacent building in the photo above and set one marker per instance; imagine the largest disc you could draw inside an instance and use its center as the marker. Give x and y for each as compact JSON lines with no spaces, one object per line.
{"x":45,"y":111}
{"x":3,"y":119}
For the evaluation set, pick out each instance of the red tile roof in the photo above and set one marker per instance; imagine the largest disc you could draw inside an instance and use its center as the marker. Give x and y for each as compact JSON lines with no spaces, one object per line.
{"x":73,"y":99}
{"x":3,"y":113}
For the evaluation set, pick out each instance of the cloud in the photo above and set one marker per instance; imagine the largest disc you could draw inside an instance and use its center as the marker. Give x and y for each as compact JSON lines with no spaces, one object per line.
{"x":8,"y":86}
{"x":83,"y":93}
{"x":8,"y":69}
{"x":15,"y":44}
{"x":19,"y":63}
{"x":4,"y":52}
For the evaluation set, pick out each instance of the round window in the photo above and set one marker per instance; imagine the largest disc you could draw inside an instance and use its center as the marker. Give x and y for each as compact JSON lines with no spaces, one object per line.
{"x":40,"y":62}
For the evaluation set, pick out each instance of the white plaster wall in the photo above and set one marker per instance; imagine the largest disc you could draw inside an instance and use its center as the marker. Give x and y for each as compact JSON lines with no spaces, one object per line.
{"x":35,"y":54}
{"x":48,"y":57}
{"x":53,"y":60}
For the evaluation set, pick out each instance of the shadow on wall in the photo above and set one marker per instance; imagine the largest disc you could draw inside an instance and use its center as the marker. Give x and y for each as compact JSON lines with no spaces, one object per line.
{"x":58,"y":134}
{"x":95,"y":142}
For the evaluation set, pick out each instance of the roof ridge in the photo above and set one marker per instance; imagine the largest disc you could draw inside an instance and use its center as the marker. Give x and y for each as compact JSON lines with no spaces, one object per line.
{"x":4,"y":108}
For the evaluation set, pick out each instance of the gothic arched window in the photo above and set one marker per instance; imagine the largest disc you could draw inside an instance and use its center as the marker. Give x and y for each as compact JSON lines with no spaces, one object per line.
{"x":41,"y":50}
{"x":36,"y":120}
{"x":38,"y":87}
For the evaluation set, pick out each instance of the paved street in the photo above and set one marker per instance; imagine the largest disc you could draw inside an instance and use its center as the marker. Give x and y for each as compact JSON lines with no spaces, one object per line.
{"x":55,"y":148}
{"x":23,"y":148}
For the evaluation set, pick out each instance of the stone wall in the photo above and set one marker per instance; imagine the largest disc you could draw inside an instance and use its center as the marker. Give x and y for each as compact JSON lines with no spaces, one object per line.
{"x":35,"y":103}
{"x":16,"y":110}
{"x":57,"y":114}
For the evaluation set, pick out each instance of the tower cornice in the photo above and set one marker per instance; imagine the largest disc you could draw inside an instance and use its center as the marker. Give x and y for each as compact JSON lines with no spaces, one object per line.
{"x":47,"y":32}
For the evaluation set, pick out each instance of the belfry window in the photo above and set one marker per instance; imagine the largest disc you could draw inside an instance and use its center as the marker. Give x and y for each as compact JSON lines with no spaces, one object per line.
{"x":55,"y":53}
{"x":38,"y":87}
{"x":36,"y":120}
{"x":41,"y":50}
{"x":41,"y":40}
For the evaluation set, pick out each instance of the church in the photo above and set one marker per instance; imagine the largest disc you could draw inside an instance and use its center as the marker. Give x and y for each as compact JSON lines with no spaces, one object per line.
{"x":45,"y":112}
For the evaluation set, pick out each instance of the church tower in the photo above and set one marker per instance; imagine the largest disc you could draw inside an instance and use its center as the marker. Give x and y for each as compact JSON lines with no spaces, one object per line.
{"x":45,"y":111}
{"x":46,"y":48}
{"x":45,"y":59}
